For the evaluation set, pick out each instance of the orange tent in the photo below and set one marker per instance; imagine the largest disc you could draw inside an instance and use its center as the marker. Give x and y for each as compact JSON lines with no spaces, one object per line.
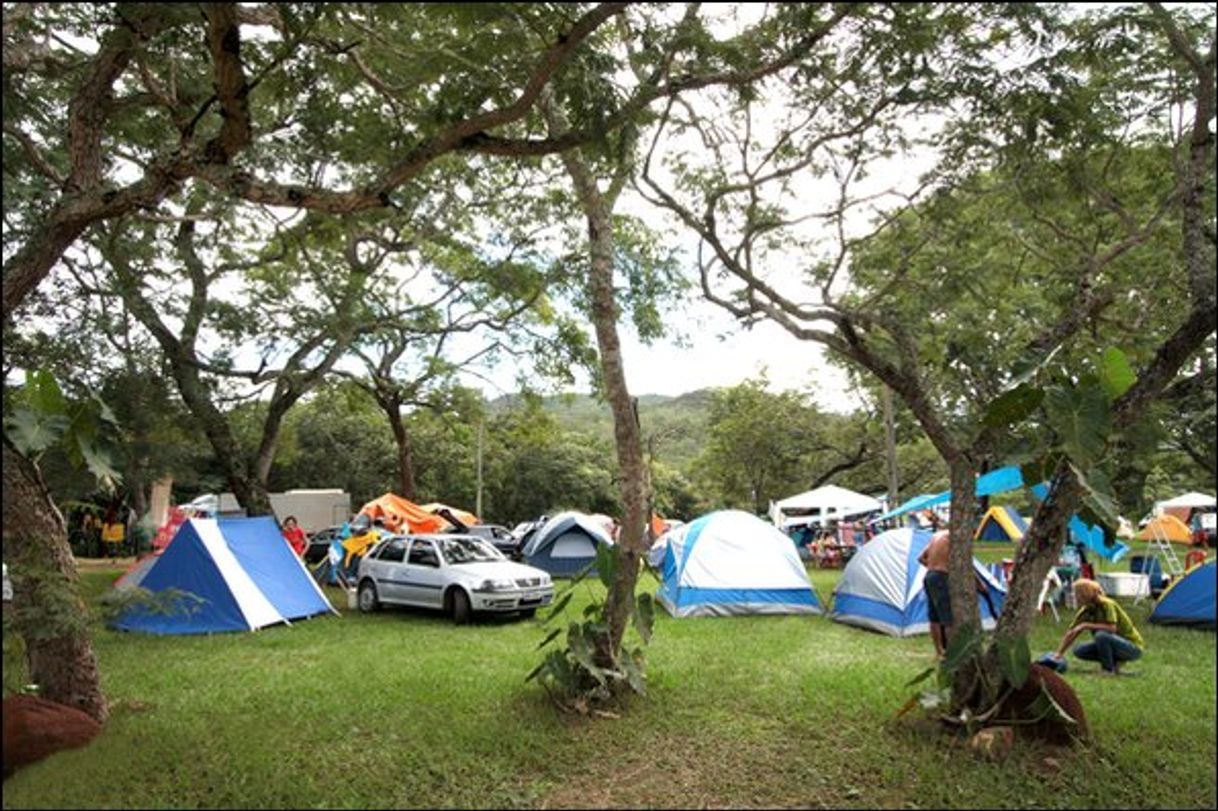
{"x":1166,"y":526}
{"x":658,"y":525}
{"x":400,"y":515}
{"x":464,"y":516}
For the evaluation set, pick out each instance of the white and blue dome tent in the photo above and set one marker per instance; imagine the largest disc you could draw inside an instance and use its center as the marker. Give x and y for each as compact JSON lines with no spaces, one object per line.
{"x":730,"y":562}
{"x":566,"y":544}
{"x":241,"y":572}
{"x":882,"y":586}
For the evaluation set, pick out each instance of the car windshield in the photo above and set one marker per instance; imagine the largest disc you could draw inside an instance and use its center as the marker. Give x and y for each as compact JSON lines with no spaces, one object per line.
{"x":466,"y":550}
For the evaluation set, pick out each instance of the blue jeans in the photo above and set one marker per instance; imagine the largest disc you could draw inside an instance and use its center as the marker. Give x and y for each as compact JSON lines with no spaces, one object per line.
{"x":1108,"y":649}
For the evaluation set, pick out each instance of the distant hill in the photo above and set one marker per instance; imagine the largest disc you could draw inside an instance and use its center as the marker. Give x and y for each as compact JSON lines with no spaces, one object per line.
{"x":675,"y":425}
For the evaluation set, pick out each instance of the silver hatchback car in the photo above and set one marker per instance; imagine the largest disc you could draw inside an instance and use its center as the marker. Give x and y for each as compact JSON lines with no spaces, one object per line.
{"x":458,"y":574}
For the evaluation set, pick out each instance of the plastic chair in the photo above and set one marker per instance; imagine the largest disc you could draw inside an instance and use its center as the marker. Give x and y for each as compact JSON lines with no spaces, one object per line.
{"x":1050,"y":591}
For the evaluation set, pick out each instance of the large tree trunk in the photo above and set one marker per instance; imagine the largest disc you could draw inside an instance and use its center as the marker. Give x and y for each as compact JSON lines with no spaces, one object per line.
{"x":631,"y":542}
{"x":1038,"y":552}
{"x":630,"y":546}
{"x":401,"y":438}
{"x":961,"y":579}
{"x":61,"y":659}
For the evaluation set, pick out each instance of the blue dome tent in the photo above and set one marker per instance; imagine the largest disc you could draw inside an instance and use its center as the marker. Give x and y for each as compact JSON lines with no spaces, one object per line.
{"x":730,"y":562}
{"x":1190,"y":599}
{"x":565,"y":544}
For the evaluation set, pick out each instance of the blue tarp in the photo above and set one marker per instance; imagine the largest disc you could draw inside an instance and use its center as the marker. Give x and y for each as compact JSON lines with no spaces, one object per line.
{"x":1010,"y":478}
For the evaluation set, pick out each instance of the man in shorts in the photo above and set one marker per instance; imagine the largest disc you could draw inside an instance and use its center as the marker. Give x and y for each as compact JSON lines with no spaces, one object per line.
{"x":939,"y":602}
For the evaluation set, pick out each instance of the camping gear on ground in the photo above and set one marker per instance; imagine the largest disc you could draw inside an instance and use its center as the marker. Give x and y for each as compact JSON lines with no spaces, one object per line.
{"x":820,"y":506}
{"x":731,"y":562}
{"x":1149,"y":566}
{"x":1160,"y":533}
{"x":882,"y":586}
{"x":565,"y":544}
{"x":1053,"y":661}
{"x":242,"y":576}
{"x":464,"y":516}
{"x":402,"y":515}
{"x":1189,"y":600}
{"x":1001,"y":524}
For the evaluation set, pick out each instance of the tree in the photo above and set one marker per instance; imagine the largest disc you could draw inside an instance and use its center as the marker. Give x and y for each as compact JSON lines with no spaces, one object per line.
{"x":217,"y":98}
{"x":742,"y":216}
{"x":49,"y":613}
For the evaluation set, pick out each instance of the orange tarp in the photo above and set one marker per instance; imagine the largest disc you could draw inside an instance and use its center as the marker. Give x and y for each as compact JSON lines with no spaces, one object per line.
{"x":658,"y":525}
{"x":464,"y":516}
{"x":401,"y":515}
{"x":1166,"y":526}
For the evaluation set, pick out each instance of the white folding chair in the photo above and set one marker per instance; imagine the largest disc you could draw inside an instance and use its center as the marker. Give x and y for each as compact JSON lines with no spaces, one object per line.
{"x":1049,"y":591}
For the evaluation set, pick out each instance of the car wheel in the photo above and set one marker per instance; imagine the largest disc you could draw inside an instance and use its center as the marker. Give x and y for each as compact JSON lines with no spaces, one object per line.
{"x":368,"y":601}
{"x":460,"y":607}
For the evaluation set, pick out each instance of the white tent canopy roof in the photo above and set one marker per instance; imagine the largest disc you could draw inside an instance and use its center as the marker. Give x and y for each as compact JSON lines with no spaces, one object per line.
{"x":827,"y":502}
{"x":1188,"y":500}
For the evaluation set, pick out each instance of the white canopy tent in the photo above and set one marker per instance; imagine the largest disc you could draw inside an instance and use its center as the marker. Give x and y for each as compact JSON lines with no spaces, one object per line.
{"x":1191,"y":500}
{"x":819,"y":506}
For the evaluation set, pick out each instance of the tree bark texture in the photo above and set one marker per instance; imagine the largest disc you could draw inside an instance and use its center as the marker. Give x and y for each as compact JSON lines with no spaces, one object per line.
{"x":63,"y":664}
{"x":401,"y":438}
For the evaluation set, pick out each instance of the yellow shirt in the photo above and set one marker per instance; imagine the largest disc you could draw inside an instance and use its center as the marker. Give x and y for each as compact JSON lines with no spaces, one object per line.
{"x":1107,"y":611}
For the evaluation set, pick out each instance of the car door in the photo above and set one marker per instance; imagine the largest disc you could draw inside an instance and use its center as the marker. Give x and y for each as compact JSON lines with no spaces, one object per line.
{"x":388,"y":568}
{"x":424,"y":574}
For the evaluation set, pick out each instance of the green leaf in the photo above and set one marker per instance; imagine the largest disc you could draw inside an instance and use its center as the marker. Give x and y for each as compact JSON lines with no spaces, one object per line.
{"x":557,"y":608}
{"x":45,"y":396}
{"x":1097,"y":497}
{"x":962,"y":646}
{"x":549,"y":638}
{"x":1014,"y":659}
{"x":632,"y":663}
{"x":1038,"y":470}
{"x":581,"y":650}
{"x":1013,"y":406}
{"x":1116,"y":375}
{"x":32,"y":433}
{"x":922,"y":676}
{"x":644,"y":616}
{"x":606,"y":563}
{"x":1081,"y":419}
{"x":1027,"y":368}
{"x":98,"y":462}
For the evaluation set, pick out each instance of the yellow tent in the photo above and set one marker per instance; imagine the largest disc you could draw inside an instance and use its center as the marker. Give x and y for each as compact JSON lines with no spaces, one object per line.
{"x":1166,"y":526}
{"x":1000,"y":524}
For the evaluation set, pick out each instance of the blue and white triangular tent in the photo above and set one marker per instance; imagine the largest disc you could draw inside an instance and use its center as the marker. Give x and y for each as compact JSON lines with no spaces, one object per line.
{"x":241,"y":572}
{"x":731,"y":562}
{"x":883,"y":589}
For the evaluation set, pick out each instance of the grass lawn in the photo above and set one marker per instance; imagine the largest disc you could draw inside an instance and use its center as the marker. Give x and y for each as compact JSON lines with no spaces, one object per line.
{"x":403,"y":709}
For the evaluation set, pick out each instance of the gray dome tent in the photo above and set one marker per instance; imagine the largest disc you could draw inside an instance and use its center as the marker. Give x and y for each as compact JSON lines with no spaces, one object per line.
{"x":565,"y":544}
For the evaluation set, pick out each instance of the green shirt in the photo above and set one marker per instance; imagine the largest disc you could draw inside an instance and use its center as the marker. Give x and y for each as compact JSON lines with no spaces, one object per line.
{"x":1107,"y":611}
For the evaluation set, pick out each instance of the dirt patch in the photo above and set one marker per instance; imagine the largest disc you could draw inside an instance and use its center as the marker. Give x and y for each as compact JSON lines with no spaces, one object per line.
{"x":678,"y":771}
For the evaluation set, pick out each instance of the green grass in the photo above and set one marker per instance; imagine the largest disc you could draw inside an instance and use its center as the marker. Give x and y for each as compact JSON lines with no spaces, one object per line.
{"x":403,"y":709}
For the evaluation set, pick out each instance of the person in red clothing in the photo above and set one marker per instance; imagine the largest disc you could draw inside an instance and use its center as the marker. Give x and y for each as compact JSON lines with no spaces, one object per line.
{"x":295,"y":535}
